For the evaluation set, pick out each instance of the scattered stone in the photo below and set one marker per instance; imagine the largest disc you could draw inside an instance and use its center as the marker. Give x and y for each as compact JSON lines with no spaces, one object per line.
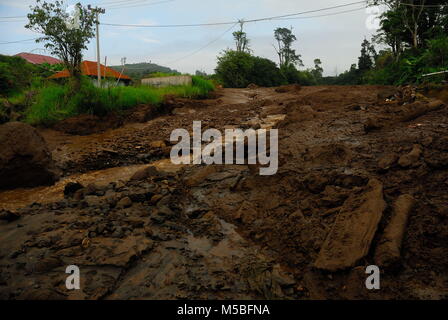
{"x":71,"y":188}
{"x":155,"y":198}
{"x":145,"y":173}
{"x":411,"y":158}
{"x":9,"y":216}
{"x":157,"y":144}
{"x":198,"y":176}
{"x":125,"y":202}
{"x":387,"y":161}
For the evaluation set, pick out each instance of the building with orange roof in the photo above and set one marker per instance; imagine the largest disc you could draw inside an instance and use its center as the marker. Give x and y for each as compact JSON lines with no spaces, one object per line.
{"x":89,"y":68}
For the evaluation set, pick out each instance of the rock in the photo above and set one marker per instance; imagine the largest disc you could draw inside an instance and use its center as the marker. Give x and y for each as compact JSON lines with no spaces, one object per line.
{"x":417,"y":109}
{"x":388,"y":250}
{"x":125,"y":202}
{"x":157,"y":144}
{"x":25,"y":160}
{"x":155,"y":198}
{"x":387,"y":161}
{"x":199,"y":175}
{"x":411,"y":158}
{"x":71,"y":188}
{"x":9,"y":216}
{"x":145,"y":173}
{"x":353,"y":231}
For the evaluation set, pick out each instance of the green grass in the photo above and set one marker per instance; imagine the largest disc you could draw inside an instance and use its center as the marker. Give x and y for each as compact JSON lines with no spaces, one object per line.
{"x":54,"y":103}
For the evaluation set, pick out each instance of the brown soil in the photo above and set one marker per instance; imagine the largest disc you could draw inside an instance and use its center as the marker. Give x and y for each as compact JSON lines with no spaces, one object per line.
{"x":224,"y":232}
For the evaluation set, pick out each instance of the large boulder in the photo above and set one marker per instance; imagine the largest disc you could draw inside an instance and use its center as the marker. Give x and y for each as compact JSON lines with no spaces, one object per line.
{"x":25,"y":160}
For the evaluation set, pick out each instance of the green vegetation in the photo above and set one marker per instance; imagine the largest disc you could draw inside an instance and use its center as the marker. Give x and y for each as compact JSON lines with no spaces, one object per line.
{"x":239,"y":68}
{"x":56,"y":102}
{"x":15,"y":74}
{"x":60,"y":38}
{"x":415,"y":35}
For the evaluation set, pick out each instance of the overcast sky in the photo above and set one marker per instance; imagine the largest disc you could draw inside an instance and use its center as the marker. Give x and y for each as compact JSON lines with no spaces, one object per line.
{"x":335,"y":39}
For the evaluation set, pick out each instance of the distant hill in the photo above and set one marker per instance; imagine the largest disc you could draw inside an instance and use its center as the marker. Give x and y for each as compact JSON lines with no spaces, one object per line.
{"x":141,"y":70}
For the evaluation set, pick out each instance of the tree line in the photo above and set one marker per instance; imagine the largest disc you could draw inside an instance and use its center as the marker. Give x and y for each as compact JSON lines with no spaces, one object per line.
{"x":413,"y":34}
{"x":239,"y":67}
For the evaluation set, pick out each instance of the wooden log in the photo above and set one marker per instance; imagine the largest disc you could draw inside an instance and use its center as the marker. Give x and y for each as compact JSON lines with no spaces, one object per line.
{"x":353,"y":231}
{"x":387,"y":253}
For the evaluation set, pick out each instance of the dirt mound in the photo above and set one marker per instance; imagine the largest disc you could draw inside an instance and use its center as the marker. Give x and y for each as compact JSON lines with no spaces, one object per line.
{"x":288,"y":88}
{"x":24,"y":157}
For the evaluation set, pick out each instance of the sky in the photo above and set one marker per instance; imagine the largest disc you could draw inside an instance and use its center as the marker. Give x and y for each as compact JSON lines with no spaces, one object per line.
{"x":335,"y":39}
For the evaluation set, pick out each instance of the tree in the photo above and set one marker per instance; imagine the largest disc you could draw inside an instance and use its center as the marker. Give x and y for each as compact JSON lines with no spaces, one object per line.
{"x":287,"y":55}
{"x":368,"y":55}
{"x":241,"y":41}
{"x":239,"y":69}
{"x":317,"y":71}
{"x":62,"y":39}
{"x":411,"y":22}
{"x":201,"y":73}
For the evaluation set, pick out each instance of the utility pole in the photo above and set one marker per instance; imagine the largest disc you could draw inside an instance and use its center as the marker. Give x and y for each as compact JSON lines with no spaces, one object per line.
{"x":98,"y":56}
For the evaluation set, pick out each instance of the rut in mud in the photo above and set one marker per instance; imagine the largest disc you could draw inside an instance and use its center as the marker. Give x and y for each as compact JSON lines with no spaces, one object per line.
{"x":347,"y":155}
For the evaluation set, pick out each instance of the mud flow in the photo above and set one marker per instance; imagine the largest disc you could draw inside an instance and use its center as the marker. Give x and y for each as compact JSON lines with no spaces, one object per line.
{"x":362,"y":180}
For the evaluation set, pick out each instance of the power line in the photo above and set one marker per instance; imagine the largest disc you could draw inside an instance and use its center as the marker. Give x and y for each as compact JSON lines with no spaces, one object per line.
{"x":8,"y":42}
{"x":324,"y":15}
{"x":137,"y":4}
{"x":14,"y":21}
{"x":230,"y":22}
{"x":203,"y":47}
{"x":123,"y":4}
{"x":14,"y":17}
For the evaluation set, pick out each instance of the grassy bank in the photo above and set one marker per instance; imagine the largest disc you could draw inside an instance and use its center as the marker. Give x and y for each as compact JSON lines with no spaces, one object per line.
{"x":54,"y":102}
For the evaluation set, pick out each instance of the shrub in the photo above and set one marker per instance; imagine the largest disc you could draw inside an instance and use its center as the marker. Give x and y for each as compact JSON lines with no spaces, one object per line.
{"x":15,"y":74}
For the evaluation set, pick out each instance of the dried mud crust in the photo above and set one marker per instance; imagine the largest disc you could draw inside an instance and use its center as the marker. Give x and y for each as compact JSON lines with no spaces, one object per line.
{"x":346,"y":156}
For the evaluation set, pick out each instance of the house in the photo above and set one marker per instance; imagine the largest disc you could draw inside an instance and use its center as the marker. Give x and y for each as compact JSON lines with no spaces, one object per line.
{"x":89,"y":68}
{"x":37,"y":58}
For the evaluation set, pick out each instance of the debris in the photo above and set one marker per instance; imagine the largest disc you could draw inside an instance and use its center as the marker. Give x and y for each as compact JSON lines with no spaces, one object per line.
{"x":388,"y":250}
{"x":353,"y":231}
{"x":411,"y":158}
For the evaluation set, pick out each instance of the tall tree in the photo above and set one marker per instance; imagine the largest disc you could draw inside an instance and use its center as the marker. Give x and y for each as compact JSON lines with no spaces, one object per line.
{"x":287,"y":56}
{"x":64,"y":39}
{"x":318,"y":70}
{"x":368,"y":55}
{"x":411,"y":22}
{"x":241,"y":41}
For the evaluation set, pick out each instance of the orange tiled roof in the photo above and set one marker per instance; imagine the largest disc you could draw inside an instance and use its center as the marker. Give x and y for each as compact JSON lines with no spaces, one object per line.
{"x":89,"y":68}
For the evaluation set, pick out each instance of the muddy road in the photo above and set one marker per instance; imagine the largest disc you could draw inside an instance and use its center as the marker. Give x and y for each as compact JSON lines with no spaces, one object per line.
{"x":362,"y":180}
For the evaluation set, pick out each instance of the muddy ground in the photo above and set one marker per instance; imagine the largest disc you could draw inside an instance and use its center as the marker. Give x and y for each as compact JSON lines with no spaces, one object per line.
{"x":225,"y":232}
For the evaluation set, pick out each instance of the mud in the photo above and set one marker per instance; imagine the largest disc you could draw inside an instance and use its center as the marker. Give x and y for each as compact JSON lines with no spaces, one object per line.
{"x":224,"y":232}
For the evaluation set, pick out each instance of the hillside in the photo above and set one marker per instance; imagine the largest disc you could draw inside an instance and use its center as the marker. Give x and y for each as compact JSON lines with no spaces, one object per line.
{"x":140,"y":70}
